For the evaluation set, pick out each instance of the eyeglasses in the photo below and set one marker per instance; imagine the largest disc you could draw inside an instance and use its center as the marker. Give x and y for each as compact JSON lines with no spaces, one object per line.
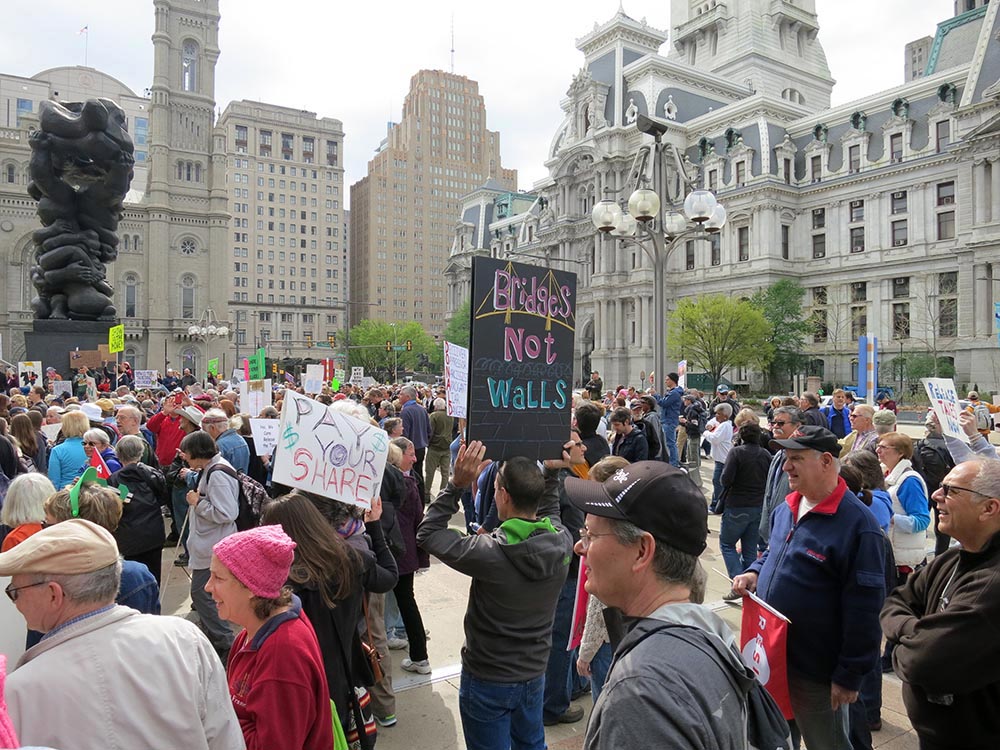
{"x":781,"y":424}
{"x":950,"y":489}
{"x":91,"y":442}
{"x":587,"y":536}
{"x":11,"y":590}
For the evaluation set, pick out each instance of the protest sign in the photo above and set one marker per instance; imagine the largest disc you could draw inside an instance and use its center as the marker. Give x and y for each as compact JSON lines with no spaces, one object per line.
{"x":357,"y":375}
{"x":763,"y":638}
{"x":944,"y":401}
{"x":51,"y":431}
{"x":144,"y":379}
{"x":116,"y":339}
{"x":340,"y":374}
{"x":456,"y":379}
{"x":254,"y":396}
{"x":335,"y":384}
{"x":213,"y":366}
{"x":90,"y":359}
{"x":59,"y":387}
{"x":257,"y":365}
{"x":682,"y":373}
{"x":265,"y":435}
{"x":237,"y":375}
{"x":29,"y":372}
{"x":521,"y":358}
{"x":313,"y":380}
{"x":367,"y":382}
{"x":326,"y":451}
{"x":91,"y":389}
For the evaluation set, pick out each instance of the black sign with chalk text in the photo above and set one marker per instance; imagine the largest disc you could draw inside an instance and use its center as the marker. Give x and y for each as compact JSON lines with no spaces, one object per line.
{"x":521,"y":358}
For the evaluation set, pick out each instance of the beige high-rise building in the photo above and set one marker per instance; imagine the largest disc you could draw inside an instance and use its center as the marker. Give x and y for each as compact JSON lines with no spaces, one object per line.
{"x":285,"y":178}
{"x":403,"y":211}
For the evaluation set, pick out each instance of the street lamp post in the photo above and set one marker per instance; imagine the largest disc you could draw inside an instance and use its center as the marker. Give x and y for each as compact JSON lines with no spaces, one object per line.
{"x":656,"y":231}
{"x":209,"y":328}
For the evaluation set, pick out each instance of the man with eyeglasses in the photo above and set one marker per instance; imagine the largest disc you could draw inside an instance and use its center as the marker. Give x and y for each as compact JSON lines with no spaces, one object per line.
{"x":677,"y":679}
{"x":824,"y":570}
{"x":105,"y":675}
{"x":863,"y":435}
{"x":784,"y":421}
{"x":944,"y":620}
{"x":518,"y":571}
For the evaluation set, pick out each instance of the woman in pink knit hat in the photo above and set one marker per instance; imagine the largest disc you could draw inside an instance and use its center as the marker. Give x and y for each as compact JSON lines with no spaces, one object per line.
{"x":276,"y":676}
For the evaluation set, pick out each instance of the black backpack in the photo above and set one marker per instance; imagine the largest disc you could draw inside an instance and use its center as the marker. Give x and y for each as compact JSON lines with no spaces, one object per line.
{"x":252,"y":496}
{"x":933,"y":462}
{"x":652,"y":439}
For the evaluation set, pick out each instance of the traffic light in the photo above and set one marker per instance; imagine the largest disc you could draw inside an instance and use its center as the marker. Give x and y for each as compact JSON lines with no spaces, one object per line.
{"x":274,"y":368}
{"x":409,"y":345}
{"x":332,"y":340}
{"x":388,"y":346}
{"x":309,"y":341}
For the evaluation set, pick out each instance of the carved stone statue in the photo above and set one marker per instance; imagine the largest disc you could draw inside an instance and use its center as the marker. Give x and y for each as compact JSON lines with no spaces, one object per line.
{"x":670,"y":108}
{"x":81,"y":168}
{"x":632,"y":112}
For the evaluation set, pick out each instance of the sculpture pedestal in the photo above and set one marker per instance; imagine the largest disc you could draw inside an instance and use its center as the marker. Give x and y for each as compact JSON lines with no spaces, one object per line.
{"x":51,"y":341}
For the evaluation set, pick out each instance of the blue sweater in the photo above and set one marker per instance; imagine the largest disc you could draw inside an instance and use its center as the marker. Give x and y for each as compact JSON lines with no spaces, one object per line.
{"x":67,"y":462}
{"x":826,"y":574}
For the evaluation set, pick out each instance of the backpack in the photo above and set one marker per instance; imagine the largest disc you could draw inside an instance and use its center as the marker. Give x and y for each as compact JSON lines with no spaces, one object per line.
{"x":252,"y":496}
{"x":984,"y":420}
{"x":765,"y":727}
{"x":934,"y":463}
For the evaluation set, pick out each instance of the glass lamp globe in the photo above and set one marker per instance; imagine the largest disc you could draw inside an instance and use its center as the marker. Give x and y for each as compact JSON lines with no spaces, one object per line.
{"x":717,"y":220}
{"x":699,"y":205}
{"x":606,"y":215}
{"x":203,"y":331}
{"x":644,"y":204}
{"x":626,"y":226}
{"x":222,"y":331}
{"x":194,"y":331}
{"x":211,"y":329}
{"x":674,"y":224}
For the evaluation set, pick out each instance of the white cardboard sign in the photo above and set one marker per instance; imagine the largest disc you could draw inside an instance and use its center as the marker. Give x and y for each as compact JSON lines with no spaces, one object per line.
{"x":313,"y":381}
{"x":254,"y":396}
{"x":944,"y":401}
{"x":265,"y":435}
{"x":145,"y":379}
{"x":456,"y":379}
{"x":357,"y":375}
{"x":59,"y":387}
{"x":326,"y":451}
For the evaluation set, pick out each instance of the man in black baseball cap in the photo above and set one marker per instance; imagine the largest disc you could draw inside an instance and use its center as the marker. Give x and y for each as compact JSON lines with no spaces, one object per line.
{"x":645,"y":528}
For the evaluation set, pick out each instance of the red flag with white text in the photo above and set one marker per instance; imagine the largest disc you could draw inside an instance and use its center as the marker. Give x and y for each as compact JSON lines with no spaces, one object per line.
{"x":763,"y":639}
{"x":103,"y":472}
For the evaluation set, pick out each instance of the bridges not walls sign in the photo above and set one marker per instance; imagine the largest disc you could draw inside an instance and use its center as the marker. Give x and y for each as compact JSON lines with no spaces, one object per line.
{"x":521,"y":358}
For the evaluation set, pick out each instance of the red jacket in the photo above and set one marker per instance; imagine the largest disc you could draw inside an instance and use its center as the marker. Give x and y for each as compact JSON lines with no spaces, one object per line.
{"x":168,"y":436}
{"x":278,"y":685}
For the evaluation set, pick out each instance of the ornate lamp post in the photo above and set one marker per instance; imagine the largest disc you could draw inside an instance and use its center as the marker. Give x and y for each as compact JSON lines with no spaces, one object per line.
{"x":209,"y":328}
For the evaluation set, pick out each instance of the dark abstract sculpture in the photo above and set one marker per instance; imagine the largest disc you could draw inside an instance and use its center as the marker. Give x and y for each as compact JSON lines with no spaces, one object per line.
{"x":81,"y":168}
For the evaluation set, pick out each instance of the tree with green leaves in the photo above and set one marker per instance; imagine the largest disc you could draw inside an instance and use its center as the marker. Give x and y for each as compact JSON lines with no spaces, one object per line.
{"x":457,"y":330}
{"x":781,"y":305}
{"x":717,"y":333}
{"x":368,"y":347}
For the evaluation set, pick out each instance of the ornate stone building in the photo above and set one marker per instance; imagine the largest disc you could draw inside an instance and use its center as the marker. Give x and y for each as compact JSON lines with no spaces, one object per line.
{"x":884,"y":209}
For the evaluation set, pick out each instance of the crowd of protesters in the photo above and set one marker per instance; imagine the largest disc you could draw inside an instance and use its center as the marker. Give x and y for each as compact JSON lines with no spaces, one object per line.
{"x":826,"y":513}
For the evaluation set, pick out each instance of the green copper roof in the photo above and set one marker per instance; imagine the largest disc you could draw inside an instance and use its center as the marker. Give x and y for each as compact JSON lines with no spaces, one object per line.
{"x":944,"y":28}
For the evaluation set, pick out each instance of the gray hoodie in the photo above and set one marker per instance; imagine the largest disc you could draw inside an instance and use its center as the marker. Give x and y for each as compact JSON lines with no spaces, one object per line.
{"x":663,"y":690}
{"x":517,"y":574}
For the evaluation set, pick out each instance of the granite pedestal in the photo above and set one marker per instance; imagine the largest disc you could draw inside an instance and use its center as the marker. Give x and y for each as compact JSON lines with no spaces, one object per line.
{"x":51,"y":341}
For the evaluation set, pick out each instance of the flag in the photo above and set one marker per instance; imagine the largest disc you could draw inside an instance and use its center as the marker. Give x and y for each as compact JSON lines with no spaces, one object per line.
{"x":763,"y":638}
{"x":84,"y":30}
{"x":103,"y":472}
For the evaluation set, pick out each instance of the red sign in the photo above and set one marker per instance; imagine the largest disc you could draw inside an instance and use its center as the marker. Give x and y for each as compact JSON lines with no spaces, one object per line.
{"x":763,"y":637}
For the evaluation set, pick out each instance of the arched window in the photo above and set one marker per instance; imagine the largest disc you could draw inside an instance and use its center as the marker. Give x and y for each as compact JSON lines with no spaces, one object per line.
{"x":125,"y":243}
{"x":180,"y":170}
{"x":10,"y":174}
{"x":187,"y":171}
{"x":189,"y":67}
{"x":189,"y":358}
{"x":187,"y":296}
{"x":131,"y":356}
{"x":131,"y":294}
{"x":197,"y":172}
{"x":136,"y":243}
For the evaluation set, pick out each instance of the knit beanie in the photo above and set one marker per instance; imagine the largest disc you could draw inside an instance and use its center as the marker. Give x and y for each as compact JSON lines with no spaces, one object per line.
{"x":259,"y":558}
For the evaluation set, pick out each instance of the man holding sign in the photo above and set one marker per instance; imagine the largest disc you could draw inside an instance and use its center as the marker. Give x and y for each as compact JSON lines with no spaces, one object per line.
{"x":517,"y":574}
{"x":824,"y":571}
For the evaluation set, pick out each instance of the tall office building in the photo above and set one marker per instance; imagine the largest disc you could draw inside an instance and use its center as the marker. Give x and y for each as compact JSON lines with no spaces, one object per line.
{"x":403,"y":211}
{"x":285,"y":181}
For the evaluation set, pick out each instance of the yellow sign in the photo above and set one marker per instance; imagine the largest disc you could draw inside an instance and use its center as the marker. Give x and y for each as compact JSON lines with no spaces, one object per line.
{"x":116,"y":339}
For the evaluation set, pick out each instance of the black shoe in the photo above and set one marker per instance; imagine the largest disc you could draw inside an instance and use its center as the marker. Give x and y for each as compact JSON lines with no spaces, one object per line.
{"x":571,"y":715}
{"x":181,"y":561}
{"x":171,"y":541}
{"x":875,"y":726}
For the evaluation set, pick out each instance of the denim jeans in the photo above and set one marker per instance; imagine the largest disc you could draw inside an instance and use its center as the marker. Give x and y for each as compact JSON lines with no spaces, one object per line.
{"x":394,"y":627}
{"x":739,"y":525}
{"x":558,"y":672}
{"x":179,"y":510}
{"x":670,"y":441}
{"x":501,"y":715}
{"x":716,"y":484}
{"x":600,"y":665}
{"x":821,"y":727}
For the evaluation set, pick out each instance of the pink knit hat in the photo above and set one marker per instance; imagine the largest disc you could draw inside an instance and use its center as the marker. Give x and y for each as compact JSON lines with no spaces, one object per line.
{"x":259,"y":558}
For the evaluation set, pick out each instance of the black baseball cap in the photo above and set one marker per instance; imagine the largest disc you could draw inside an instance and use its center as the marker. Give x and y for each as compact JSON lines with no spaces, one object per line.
{"x":811,"y":437}
{"x":652,"y":495}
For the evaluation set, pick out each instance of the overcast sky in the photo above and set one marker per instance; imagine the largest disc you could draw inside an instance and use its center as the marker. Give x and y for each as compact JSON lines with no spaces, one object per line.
{"x":354,"y":61}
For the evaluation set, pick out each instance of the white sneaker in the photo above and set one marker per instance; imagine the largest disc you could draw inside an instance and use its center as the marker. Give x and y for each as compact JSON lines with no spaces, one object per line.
{"x":419,"y":667}
{"x":397,"y":644}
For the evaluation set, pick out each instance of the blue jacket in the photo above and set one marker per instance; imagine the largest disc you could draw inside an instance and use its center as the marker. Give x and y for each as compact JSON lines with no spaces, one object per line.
{"x":838,"y":423}
{"x":826,"y":574}
{"x":67,"y":462}
{"x":416,"y":424}
{"x":670,"y":406}
{"x":234,"y":449}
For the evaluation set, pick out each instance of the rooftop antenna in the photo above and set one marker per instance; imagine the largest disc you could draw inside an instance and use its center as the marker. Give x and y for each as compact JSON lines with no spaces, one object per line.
{"x":453,"y":43}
